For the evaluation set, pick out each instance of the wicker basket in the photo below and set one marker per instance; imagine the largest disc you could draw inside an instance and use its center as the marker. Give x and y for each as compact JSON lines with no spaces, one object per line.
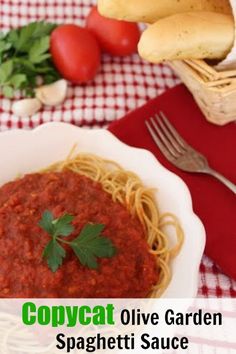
{"x":214,"y":91}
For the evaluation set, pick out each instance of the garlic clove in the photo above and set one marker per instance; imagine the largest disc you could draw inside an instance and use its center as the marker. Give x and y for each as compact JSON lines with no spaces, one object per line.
{"x":26,"y":107}
{"x":53,"y":94}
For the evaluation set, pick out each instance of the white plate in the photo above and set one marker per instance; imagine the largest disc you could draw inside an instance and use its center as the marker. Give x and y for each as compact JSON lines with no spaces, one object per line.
{"x":27,"y":151}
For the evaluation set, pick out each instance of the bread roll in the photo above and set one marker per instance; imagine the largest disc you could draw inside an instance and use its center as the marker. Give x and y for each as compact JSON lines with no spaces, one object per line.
{"x":150,"y":11}
{"x":195,"y":35}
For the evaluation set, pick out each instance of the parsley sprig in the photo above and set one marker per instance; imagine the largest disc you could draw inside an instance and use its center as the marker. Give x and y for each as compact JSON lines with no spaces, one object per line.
{"x":24,"y":55}
{"x":87,"y":246}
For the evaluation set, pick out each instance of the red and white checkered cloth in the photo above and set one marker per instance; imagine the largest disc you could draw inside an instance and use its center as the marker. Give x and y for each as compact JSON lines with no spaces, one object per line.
{"x":122,"y":85}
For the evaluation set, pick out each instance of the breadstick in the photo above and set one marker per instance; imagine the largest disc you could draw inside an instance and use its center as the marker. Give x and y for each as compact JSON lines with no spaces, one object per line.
{"x":195,"y":35}
{"x":149,"y":11}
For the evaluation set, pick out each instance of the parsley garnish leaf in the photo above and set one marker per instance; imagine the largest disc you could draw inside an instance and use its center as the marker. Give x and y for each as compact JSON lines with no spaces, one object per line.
{"x":86,"y":258}
{"x":46,"y":222}
{"x":90,"y":231}
{"x":54,"y":254}
{"x":63,"y":226}
{"x":87,"y":246}
{"x":90,"y":245}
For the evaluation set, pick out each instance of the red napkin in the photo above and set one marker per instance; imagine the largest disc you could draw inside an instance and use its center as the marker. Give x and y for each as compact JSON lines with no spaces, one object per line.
{"x":212,"y":201}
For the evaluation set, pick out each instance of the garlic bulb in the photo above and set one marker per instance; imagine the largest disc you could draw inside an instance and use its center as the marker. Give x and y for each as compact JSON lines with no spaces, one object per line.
{"x":53,"y":94}
{"x":26,"y":107}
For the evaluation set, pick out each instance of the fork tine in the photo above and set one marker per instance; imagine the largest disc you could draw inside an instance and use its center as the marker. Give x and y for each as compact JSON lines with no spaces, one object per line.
{"x":164,"y":139}
{"x":180,"y":140}
{"x":178,"y":147}
{"x":158,"y":141}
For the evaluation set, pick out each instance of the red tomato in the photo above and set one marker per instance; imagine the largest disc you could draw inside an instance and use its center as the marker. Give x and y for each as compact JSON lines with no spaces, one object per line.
{"x":75,"y":53}
{"x":115,"y":37}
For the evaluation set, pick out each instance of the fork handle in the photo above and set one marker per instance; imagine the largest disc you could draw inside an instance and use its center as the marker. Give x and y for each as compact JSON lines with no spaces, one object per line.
{"x":222,"y":179}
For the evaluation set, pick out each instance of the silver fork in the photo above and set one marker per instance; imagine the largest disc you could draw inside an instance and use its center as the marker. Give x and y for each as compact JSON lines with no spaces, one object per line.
{"x":178,"y":152}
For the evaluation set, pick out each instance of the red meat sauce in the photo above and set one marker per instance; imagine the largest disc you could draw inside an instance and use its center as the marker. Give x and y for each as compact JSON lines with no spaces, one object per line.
{"x":23,"y":273}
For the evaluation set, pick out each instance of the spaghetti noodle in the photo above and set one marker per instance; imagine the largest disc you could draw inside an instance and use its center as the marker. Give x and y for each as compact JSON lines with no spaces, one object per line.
{"x":126,"y":188}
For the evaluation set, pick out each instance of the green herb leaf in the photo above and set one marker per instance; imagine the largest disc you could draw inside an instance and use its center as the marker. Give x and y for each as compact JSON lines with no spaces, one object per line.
{"x":37,"y":52}
{"x":90,"y":231}
{"x":41,"y":28}
{"x":30,"y":33}
{"x":46,"y":222}
{"x":90,"y":245}
{"x":25,"y":64}
{"x":17,"y":80}
{"x":4,"y":46}
{"x":57,"y":227}
{"x":25,"y":35}
{"x":25,"y":55}
{"x":54,"y":254}
{"x":13,"y":37}
{"x":86,"y":258}
{"x":8,"y":91}
{"x":63,"y":226}
{"x":5,"y":71}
